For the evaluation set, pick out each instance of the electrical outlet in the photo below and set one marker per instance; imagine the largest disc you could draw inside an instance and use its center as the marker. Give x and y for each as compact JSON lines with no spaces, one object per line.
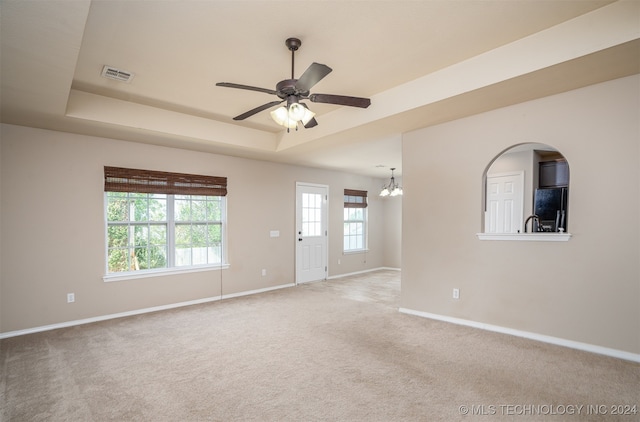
{"x":456,"y":293}
{"x":264,"y":272}
{"x":338,"y":261}
{"x":71,"y":297}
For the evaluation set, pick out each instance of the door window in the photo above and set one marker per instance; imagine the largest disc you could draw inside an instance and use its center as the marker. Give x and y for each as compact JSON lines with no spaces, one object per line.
{"x":311,"y":214}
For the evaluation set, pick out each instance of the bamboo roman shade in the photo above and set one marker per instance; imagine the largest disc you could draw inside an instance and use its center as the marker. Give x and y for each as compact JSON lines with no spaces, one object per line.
{"x":119,"y":179}
{"x":355,"y":198}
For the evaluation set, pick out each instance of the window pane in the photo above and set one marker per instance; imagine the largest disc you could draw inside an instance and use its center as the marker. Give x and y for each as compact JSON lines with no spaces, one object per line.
{"x":158,"y":208}
{"x":198,"y":256}
{"x":118,"y":236}
{"x":213,"y":210}
{"x":215,"y":233}
{"x":354,"y":229}
{"x":183,"y":234}
{"x":139,"y":209}
{"x":215,"y":254}
{"x":198,"y":211}
{"x":141,"y":236}
{"x":199,"y":235}
{"x":140,"y":260}
{"x":158,"y":235}
{"x":118,"y":260}
{"x":183,"y":256}
{"x":182,"y":210}
{"x":158,"y":257}
{"x":117,"y":209}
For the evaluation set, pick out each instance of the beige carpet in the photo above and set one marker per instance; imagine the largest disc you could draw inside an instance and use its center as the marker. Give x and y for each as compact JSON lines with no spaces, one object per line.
{"x":330,"y":351}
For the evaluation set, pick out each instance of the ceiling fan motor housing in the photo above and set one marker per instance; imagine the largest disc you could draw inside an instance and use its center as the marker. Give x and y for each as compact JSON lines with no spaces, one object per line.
{"x":288,"y":87}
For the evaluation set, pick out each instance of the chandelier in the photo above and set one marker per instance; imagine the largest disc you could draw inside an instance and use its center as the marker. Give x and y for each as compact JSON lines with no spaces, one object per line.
{"x":392,"y":189}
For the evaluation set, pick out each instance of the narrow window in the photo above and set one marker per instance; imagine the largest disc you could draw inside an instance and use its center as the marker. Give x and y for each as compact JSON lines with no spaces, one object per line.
{"x":161,"y":220}
{"x":355,"y":220}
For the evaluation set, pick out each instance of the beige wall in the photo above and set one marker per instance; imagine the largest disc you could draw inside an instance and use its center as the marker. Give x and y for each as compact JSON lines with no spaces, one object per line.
{"x":392,"y":228}
{"x":52,"y":226}
{"x":585,"y":290}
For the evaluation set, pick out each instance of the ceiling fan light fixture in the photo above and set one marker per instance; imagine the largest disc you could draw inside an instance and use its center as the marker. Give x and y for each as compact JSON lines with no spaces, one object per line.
{"x":290,"y":118}
{"x":281,"y":116}
{"x":296,"y":111}
{"x":307,"y":116}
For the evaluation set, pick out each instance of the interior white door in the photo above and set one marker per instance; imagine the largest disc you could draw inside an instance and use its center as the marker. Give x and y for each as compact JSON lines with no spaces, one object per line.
{"x":311,"y":232}
{"x":505,"y":198}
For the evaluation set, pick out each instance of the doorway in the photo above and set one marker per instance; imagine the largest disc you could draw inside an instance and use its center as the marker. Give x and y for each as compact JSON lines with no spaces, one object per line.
{"x":311,"y":232}
{"x":505,"y":198}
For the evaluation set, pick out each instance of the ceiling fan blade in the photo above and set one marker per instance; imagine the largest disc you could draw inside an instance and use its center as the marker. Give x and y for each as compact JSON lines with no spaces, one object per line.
{"x":340,"y":100}
{"x":257,"y":110}
{"x":250,"y":88}
{"x":312,"y":76}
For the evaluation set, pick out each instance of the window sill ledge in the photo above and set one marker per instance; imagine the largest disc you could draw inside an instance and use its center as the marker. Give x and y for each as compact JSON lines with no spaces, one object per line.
{"x":355,"y":251}
{"x":132,"y":275}
{"x":536,"y":237}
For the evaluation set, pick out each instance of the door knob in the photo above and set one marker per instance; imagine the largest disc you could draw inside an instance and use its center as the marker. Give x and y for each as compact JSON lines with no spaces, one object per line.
{"x":299,"y":239}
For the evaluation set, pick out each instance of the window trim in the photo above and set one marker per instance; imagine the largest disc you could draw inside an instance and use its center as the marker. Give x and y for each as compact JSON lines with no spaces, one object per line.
{"x":363,"y":204}
{"x":155,"y":272}
{"x":170,"y":224}
{"x":536,"y":236}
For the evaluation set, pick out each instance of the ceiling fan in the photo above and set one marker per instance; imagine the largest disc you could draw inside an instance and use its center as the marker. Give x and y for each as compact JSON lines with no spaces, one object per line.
{"x":293,"y":91}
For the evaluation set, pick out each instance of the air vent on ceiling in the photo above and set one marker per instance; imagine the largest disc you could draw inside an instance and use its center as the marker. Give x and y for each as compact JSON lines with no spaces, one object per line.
{"x":117,"y":74}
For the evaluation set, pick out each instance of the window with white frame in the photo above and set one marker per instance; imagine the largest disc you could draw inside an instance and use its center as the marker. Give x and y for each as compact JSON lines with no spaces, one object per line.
{"x":159,"y":220}
{"x":355,"y":220}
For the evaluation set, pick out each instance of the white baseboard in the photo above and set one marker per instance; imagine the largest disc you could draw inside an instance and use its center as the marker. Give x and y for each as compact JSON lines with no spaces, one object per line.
{"x":136,"y":312}
{"x":363,"y":272}
{"x":620,"y":354}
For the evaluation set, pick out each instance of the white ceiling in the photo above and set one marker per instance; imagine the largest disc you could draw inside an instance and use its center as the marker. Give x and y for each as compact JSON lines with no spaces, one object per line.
{"x":420,"y":62}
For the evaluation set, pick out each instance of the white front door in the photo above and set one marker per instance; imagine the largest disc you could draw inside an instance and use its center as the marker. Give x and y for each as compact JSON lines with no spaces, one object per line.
{"x":311,"y":232}
{"x":505,"y":197}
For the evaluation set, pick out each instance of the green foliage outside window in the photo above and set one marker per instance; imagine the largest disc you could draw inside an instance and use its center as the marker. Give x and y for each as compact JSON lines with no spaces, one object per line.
{"x":137,"y":230}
